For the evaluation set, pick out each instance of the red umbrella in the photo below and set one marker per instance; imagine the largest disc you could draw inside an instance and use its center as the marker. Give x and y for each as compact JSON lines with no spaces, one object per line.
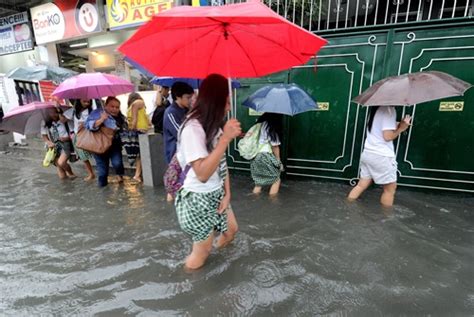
{"x":237,"y":40}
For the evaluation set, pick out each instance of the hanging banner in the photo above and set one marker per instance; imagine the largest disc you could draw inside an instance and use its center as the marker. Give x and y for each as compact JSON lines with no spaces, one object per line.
{"x":129,"y":13}
{"x":65,"y":19}
{"x":15,"y":34}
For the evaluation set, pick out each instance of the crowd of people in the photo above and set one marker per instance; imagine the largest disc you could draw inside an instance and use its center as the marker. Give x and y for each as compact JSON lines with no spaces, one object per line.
{"x":196,"y":136}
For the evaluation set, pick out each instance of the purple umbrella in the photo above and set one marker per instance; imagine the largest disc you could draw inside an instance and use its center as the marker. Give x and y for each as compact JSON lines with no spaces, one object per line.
{"x":92,"y":85}
{"x":27,"y":119}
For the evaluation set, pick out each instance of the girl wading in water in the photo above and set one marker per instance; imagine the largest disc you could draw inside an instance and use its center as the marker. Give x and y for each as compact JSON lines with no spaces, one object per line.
{"x":203,"y":203}
{"x":266,"y":167}
{"x":377,"y":162}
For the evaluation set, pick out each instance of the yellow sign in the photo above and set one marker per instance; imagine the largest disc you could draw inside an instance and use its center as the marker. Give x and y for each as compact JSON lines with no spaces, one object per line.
{"x":323,"y":106}
{"x":254,"y":113}
{"x":451,"y":106}
{"x":128,"y":13}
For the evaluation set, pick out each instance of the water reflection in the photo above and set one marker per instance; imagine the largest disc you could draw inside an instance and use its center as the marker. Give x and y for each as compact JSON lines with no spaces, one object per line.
{"x":72,"y":249}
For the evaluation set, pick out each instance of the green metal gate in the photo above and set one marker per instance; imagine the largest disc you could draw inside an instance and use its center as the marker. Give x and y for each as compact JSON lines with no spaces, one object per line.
{"x":436,"y":152}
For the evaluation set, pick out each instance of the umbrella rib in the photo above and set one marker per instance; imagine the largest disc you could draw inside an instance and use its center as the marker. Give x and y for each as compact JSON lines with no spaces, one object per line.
{"x":181,"y":47}
{"x":270,"y":40}
{"x":246,"y":54}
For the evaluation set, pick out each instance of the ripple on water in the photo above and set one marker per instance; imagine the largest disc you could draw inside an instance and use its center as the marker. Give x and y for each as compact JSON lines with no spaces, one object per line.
{"x":266,"y":274}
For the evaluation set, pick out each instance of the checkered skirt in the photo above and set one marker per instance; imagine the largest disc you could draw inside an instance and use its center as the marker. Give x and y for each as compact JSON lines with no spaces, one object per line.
{"x":265,"y":169}
{"x":197,"y":213}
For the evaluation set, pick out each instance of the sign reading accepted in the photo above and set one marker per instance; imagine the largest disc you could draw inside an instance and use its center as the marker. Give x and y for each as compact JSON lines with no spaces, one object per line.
{"x":128,"y":13}
{"x":15,"y":34}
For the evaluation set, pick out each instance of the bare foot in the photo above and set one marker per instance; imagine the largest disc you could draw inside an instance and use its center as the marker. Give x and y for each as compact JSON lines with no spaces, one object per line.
{"x":257,"y":190}
{"x":71,"y":176}
{"x":169,"y":198}
{"x":137,"y":179}
{"x":89,"y":177}
{"x":119,"y":179}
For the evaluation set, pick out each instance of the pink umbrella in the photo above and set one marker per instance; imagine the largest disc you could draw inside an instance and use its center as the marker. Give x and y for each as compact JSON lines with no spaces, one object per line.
{"x":92,"y":85}
{"x":27,"y":119}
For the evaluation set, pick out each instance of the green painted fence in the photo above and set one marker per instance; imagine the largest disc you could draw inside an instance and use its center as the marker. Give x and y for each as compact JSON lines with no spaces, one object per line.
{"x":436,"y":152}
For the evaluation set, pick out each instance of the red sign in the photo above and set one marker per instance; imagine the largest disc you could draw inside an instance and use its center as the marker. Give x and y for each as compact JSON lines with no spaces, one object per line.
{"x":47,"y":87}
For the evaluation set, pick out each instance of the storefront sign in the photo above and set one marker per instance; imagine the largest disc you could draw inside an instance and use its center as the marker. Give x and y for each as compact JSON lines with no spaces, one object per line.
{"x":323,"y":106}
{"x":128,"y":13}
{"x":15,"y":34}
{"x":451,"y":106}
{"x":64,"y":19}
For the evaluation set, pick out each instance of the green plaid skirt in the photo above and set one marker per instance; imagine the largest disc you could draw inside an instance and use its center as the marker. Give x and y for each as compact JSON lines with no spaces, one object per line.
{"x":197,"y":213}
{"x":265,"y":169}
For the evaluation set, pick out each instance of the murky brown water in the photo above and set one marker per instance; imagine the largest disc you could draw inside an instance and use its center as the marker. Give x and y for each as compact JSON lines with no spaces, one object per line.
{"x":70,"y":248}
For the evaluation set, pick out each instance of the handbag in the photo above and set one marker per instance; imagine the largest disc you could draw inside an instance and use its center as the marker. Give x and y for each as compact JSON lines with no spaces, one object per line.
{"x":49,"y":157}
{"x":97,"y":142}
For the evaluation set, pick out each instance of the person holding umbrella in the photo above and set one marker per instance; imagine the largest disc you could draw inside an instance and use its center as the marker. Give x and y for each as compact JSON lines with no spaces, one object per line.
{"x":377,"y":162}
{"x":111,"y":117}
{"x":78,"y":115}
{"x":55,"y":134}
{"x":266,"y":167}
{"x":203,"y":202}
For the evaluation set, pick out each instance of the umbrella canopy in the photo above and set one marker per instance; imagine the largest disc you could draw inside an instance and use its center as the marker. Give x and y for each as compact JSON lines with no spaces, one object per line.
{"x":193,"y":82}
{"x":26,"y":119}
{"x":237,"y":40}
{"x":92,"y":85}
{"x":414,"y":88}
{"x":41,"y":72}
{"x":287,"y":99}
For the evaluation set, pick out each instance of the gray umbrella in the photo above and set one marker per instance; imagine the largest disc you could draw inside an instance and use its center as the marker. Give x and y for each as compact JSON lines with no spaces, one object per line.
{"x":41,"y":72}
{"x":410,"y":89}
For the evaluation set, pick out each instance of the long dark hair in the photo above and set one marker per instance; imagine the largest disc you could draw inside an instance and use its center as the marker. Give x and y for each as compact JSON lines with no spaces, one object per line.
{"x":134,"y":96}
{"x":274,"y":125}
{"x":78,"y":107}
{"x":209,"y":108}
{"x":372,"y":111}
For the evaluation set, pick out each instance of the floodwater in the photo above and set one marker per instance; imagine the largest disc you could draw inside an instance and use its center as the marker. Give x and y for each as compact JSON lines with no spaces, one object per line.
{"x":69,"y":248}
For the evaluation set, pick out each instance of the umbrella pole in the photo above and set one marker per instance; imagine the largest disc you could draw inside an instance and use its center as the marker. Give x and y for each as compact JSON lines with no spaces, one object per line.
{"x":231,"y":95}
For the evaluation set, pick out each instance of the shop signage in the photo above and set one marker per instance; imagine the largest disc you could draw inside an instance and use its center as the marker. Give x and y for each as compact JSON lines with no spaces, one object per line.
{"x":451,"y":106}
{"x":15,"y":34}
{"x":64,"y":19}
{"x":128,"y":13}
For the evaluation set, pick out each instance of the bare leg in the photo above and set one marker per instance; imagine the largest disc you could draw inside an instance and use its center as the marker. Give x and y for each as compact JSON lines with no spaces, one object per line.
{"x":388,"y":195}
{"x":90,"y":171}
{"x":62,"y":162}
{"x":257,"y":189}
{"x":199,"y":254}
{"x":138,"y":170}
{"x":61,"y":172}
{"x":275,"y":187}
{"x":363,"y":184}
{"x":232,"y":227}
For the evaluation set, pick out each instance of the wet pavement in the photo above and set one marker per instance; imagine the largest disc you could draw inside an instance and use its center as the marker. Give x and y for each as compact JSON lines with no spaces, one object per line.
{"x":69,"y":248}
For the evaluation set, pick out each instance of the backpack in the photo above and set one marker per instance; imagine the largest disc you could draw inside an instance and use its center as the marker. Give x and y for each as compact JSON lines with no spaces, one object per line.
{"x":249,"y":145}
{"x":174,"y":176}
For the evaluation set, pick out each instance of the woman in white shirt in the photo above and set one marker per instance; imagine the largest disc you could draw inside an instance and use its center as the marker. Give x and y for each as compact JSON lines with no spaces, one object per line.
{"x":78,"y":114}
{"x":377,"y":162}
{"x":203,"y":202}
{"x":266,"y":167}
